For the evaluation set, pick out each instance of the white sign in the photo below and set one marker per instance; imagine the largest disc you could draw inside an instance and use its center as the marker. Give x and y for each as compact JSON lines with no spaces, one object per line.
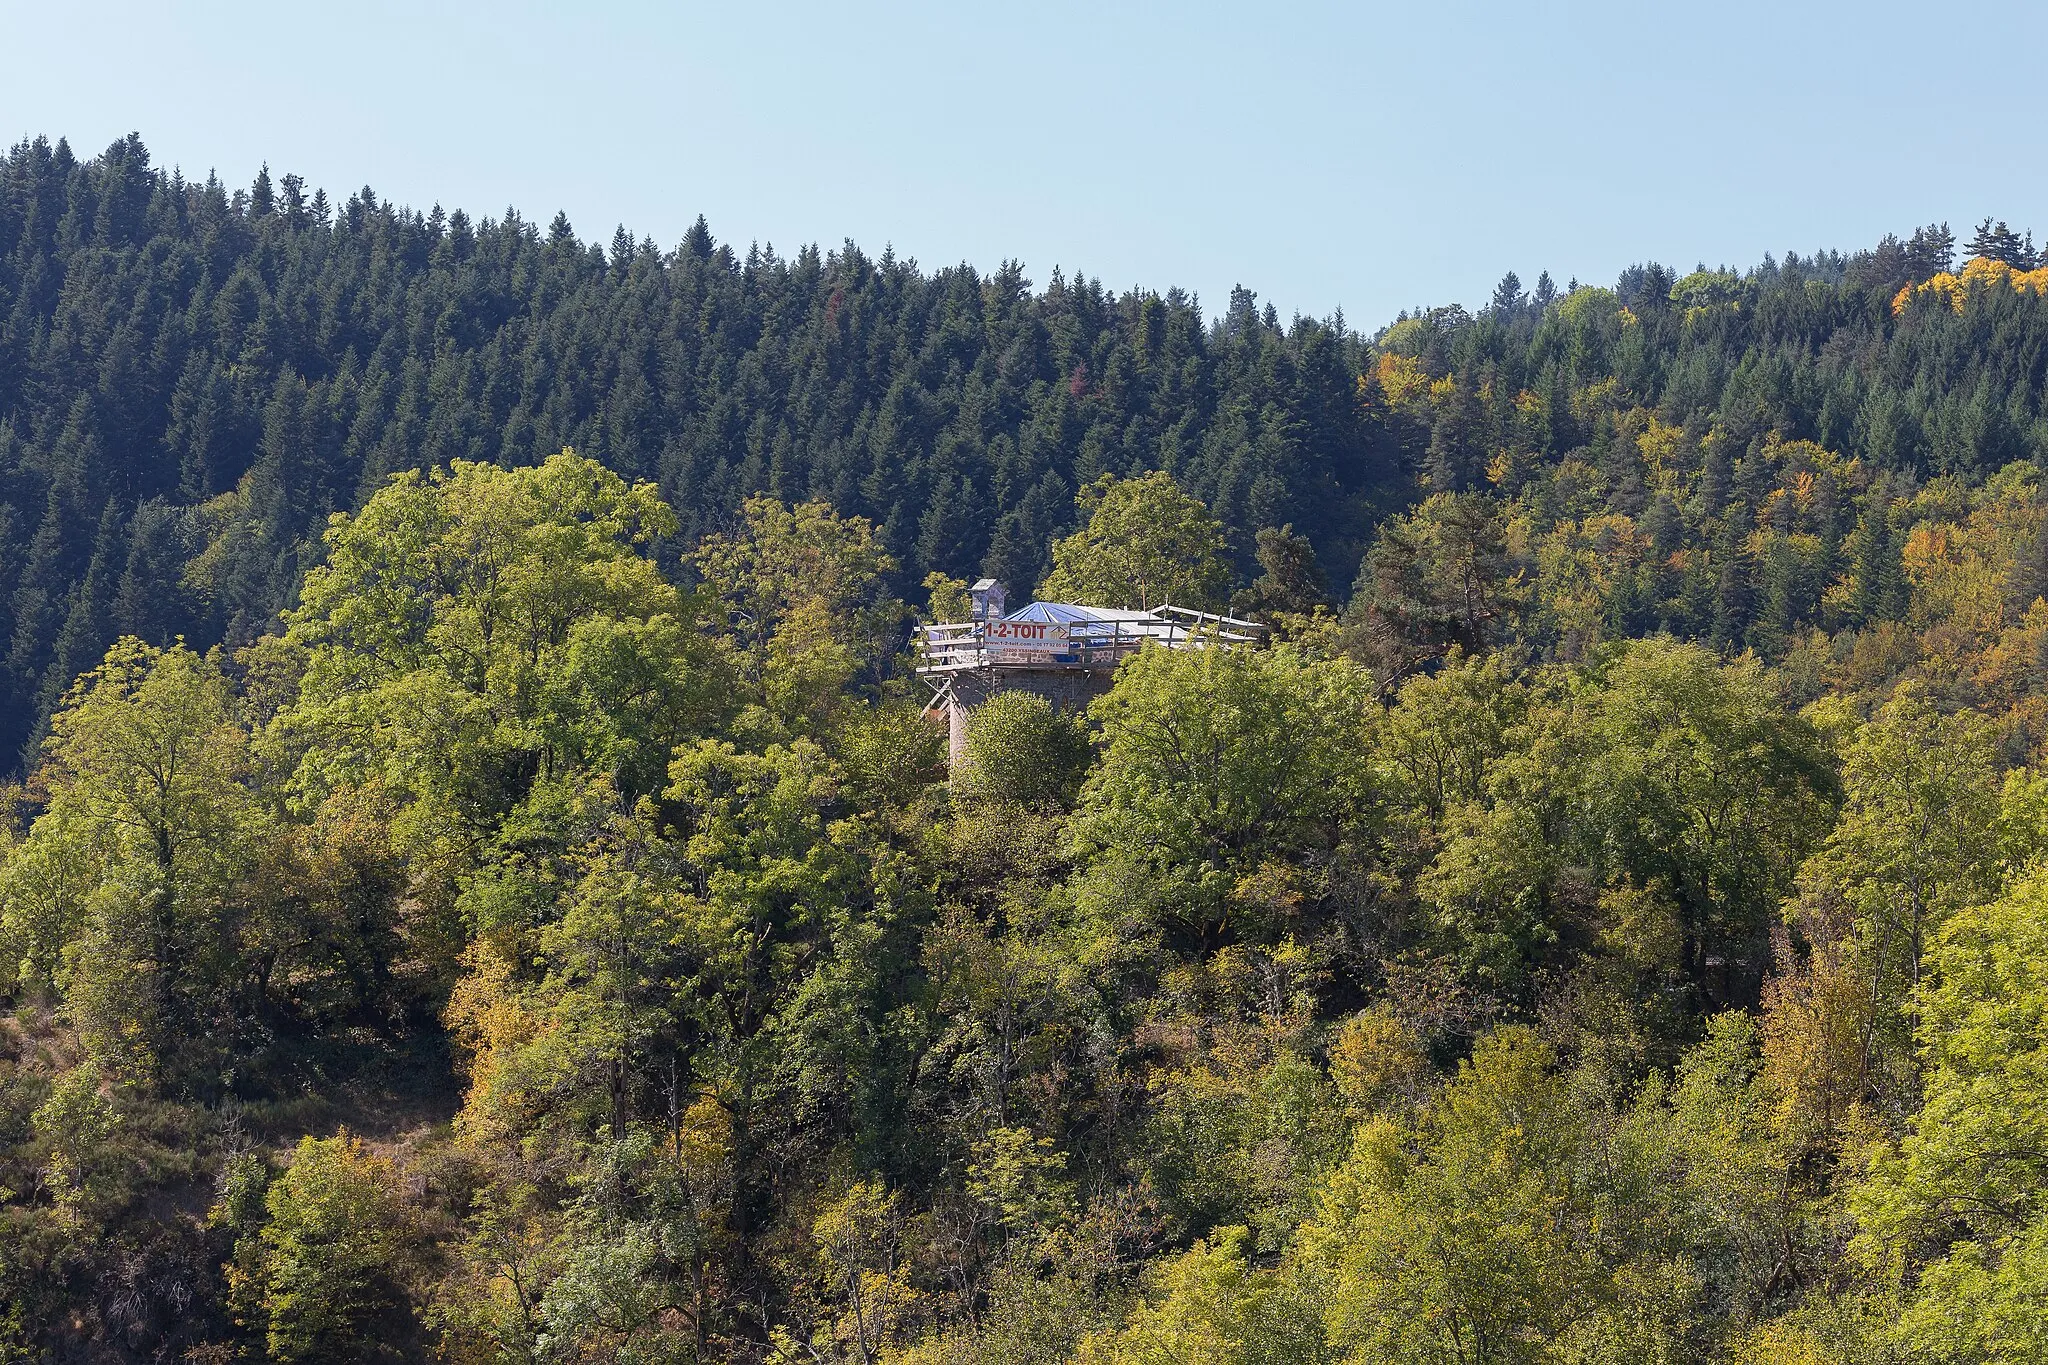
{"x":1031,"y":637}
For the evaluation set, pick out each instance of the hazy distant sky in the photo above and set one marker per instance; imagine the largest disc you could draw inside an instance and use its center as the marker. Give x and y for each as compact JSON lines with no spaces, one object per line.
{"x":1365,"y":156}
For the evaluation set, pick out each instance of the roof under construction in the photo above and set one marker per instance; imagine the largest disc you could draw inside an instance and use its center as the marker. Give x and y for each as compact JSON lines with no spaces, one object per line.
{"x":1072,"y":613}
{"x":1067,"y":635}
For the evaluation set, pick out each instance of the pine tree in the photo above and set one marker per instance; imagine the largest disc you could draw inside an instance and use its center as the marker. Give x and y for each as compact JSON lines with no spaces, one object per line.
{"x":1291,"y":580}
{"x":2001,"y":243}
{"x":281,"y":500}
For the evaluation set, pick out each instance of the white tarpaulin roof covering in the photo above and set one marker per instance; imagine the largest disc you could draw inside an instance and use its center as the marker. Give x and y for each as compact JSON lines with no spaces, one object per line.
{"x":1093,"y":637}
{"x":1071,"y":614}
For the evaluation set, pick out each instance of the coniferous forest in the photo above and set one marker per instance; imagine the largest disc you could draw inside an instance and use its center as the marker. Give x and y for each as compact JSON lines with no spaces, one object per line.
{"x":478,"y":882}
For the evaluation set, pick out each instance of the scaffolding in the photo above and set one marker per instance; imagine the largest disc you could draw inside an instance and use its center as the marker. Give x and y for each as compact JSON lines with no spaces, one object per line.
{"x":1075,"y":637}
{"x":1061,"y":651}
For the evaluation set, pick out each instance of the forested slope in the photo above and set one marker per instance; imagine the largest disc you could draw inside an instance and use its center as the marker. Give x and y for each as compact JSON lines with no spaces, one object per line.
{"x":191,"y":379}
{"x":530,"y":919}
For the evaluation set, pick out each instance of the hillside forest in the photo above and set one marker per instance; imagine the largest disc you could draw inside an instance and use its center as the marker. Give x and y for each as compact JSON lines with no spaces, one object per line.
{"x":478,"y":882}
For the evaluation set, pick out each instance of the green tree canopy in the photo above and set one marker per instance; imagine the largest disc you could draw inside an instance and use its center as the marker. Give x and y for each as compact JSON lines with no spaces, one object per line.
{"x":805,"y":593}
{"x":1021,"y":749}
{"x":1958,"y":1214}
{"x":1145,"y":543}
{"x":1215,"y":760}
{"x":325,"y":1276}
{"x":127,"y":891}
{"x":475,"y":628}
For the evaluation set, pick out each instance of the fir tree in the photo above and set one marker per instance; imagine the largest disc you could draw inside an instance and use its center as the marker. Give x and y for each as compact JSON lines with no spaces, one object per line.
{"x":1930,"y":251}
{"x":1879,"y":567}
{"x":262,"y":200}
{"x":1507,"y":296}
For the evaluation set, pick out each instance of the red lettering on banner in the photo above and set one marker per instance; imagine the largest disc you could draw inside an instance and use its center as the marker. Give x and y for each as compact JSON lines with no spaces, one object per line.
{"x":1041,"y":636}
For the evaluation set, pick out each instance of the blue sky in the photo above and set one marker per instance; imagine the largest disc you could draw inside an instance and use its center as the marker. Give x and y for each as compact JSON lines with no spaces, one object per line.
{"x":1362,"y":156}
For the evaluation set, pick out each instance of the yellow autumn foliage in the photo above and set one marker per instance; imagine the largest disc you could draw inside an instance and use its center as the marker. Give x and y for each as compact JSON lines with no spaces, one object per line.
{"x":1658,"y":441}
{"x":1578,"y":568}
{"x":1401,"y":377}
{"x":1976,"y":277}
{"x":489,"y":1024}
{"x":1957,"y":559}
